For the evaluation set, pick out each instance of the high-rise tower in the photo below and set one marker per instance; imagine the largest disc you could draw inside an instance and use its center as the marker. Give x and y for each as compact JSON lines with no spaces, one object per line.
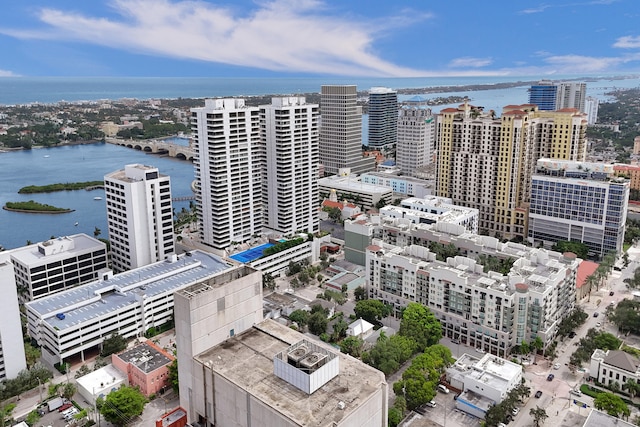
{"x":341,"y":131}
{"x":289,"y":132}
{"x":139,"y":216}
{"x":487,"y":163}
{"x":416,"y":136}
{"x":228,"y":166}
{"x":383,"y":118}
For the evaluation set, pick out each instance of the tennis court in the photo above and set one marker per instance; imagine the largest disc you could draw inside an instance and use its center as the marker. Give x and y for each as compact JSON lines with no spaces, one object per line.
{"x":251,"y":254}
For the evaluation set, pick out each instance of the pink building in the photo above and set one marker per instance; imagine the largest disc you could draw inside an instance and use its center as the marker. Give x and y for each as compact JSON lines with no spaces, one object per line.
{"x":146,"y":366}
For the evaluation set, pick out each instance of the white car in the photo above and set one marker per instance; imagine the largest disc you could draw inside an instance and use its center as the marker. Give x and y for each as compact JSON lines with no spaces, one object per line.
{"x":480,"y":350}
{"x":515,"y":411}
{"x":556,"y":366}
{"x":598,"y":324}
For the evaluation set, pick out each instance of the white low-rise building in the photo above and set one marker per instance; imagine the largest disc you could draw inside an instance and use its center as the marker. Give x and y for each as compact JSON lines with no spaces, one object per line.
{"x":99,"y":383}
{"x":351,"y":188}
{"x":360,"y":328}
{"x":614,"y":366}
{"x":484,"y":381}
{"x":70,"y":322}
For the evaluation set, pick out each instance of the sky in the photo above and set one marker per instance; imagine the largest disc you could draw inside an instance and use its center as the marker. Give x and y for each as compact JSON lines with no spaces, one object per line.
{"x":279,"y":38}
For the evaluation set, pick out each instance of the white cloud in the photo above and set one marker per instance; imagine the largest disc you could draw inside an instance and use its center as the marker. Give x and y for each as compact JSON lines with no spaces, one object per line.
{"x":628,"y":42}
{"x":574,"y":64}
{"x":468,"y":61}
{"x":279,"y":35}
{"x":538,"y":9}
{"x":5,"y":73}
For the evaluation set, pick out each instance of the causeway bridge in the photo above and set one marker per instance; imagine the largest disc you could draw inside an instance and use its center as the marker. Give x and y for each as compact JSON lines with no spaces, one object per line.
{"x":156,"y":146}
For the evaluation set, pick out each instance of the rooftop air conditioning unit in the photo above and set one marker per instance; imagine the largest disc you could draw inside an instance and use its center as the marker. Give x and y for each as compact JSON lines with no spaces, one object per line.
{"x":298,"y":354}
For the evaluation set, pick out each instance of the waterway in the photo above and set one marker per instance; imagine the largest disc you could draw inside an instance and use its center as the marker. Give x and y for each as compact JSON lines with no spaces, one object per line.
{"x":72,"y":163}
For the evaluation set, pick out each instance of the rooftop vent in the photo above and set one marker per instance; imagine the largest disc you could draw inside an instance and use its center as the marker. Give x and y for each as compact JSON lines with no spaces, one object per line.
{"x":298,"y":354}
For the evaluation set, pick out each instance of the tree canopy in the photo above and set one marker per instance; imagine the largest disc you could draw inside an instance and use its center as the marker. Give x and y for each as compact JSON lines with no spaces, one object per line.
{"x":421,"y":325}
{"x":113,"y":344}
{"x":371,"y":310}
{"x":121,"y":405}
{"x":611,"y":404}
{"x":578,"y":248}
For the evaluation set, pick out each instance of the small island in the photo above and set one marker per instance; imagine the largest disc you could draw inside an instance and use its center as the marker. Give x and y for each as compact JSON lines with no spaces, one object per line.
{"x":34,"y":207}
{"x":69,"y":186}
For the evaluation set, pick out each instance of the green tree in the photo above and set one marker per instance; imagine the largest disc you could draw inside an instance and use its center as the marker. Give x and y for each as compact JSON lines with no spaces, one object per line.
{"x":268,"y":282}
{"x":339,"y":330}
{"x":318,"y":323}
{"x":173,"y":376}
{"x":352,"y":346}
{"x":5,"y":413}
{"x":371,"y":310}
{"x":395,"y":416}
{"x":68,"y":390}
{"x":96,"y":232}
{"x":360,"y":293}
{"x":611,"y":404}
{"x":301,"y":317}
{"x":524,"y":348}
{"x":421,"y":325}
{"x":121,"y":405}
{"x":114,"y":344}
{"x":539,"y":415}
{"x":32,"y":418}
{"x":578,"y":248}
{"x":31,"y":353}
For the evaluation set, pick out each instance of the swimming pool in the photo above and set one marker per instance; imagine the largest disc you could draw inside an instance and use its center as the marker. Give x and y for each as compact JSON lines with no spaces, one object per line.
{"x":251,"y":254}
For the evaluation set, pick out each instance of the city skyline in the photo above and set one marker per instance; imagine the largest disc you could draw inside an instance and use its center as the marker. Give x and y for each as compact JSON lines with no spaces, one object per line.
{"x":316,"y":38}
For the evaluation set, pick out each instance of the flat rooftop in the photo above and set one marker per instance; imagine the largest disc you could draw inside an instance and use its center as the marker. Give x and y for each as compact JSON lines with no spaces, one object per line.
{"x":68,"y":246}
{"x":494,"y":371}
{"x":145,"y":357}
{"x":101,"y":297}
{"x":246,"y":360}
{"x":352,"y":183}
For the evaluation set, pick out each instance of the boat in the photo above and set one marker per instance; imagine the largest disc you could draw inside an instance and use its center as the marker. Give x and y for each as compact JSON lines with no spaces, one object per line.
{"x":97,"y":198}
{"x":76,"y":224}
{"x":45,"y":156}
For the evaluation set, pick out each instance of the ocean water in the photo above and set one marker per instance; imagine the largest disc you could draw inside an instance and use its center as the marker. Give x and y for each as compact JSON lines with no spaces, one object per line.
{"x":24,"y":90}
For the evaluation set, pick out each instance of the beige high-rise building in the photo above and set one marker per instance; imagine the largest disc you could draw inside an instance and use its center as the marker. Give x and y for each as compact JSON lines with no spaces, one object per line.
{"x":486,"y":162}
{"x":341,"y":131}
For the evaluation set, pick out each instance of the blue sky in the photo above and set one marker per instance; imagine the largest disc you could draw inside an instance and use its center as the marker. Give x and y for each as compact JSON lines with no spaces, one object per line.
{"x":273,"y":38}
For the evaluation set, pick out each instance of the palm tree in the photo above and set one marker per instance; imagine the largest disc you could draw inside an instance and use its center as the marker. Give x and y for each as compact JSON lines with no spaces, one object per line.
{"x":632,"y":387}
{"x":539,"y":415}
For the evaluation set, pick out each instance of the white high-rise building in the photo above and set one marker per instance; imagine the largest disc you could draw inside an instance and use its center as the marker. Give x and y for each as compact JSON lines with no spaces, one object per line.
{"x":289,"y":132}
{"x":228,"y":167}
{"x":571,"y":95}
{"x":341,"y":131}
{"x":139,"y":216}
{"x":591,"y":108}
{"x":416,"y":136}
{"x":12,"y":359}
{"x":383,"y":118}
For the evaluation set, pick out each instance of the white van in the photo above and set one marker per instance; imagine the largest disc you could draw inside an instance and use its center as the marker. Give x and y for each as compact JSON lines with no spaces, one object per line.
{"x":443,"y":388}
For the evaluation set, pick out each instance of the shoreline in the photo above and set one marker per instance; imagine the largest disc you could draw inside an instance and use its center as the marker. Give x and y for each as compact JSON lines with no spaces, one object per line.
{"x":38,"y":212}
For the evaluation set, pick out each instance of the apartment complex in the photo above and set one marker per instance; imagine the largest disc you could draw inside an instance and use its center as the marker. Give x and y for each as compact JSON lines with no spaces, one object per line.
{"x":139,"y":216}
{"x":56,"y":265}
{"x":578,"y":201}
{"x":488,"y":310}
{"x":383,"y":118}
{"x":591,"y":109}
{"x":228,"y":167}
{"x":549,"y":95}
{"x":404,"y":225}
{"x":12,"y":358}
{"x":289,"y":132}
{"x":341,"y":131}
{"x":71,"y":322}
{"x":486,"y":162}
{"x":415,"y":149}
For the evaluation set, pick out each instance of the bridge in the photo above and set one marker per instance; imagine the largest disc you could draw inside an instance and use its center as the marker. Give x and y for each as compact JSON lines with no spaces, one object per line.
{"x":156,"y":147}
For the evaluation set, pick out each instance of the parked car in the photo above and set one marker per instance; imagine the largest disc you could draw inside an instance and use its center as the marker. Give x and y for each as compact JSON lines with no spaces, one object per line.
{"x":454,"y":341}
{"x":538,"y":393}
{"x":556,"y":366}
{"x":611,"y":293}
{"x":576,"y":392}
{"x":596,"y":314}
{"x":550,"y":377}
{"x":572,"y":334}
{"x":64,"y":407}
{"x":443,"y":388}
{"x":431,"y":404}
{"x":515,"y":411}
{"x":598,"y":324}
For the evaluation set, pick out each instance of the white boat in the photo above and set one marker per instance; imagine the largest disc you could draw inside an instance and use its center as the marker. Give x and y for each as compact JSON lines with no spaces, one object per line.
{"x":46,"y":156}
{"x":76,"y":224}
{"x":97,"y":198}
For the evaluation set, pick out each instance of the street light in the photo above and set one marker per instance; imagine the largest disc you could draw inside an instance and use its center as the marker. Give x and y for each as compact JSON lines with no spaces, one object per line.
{"x":40,"y":389}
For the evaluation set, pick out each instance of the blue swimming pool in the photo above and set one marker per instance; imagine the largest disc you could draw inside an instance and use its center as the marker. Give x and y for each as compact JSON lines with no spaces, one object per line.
{"x":251,"y":254}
